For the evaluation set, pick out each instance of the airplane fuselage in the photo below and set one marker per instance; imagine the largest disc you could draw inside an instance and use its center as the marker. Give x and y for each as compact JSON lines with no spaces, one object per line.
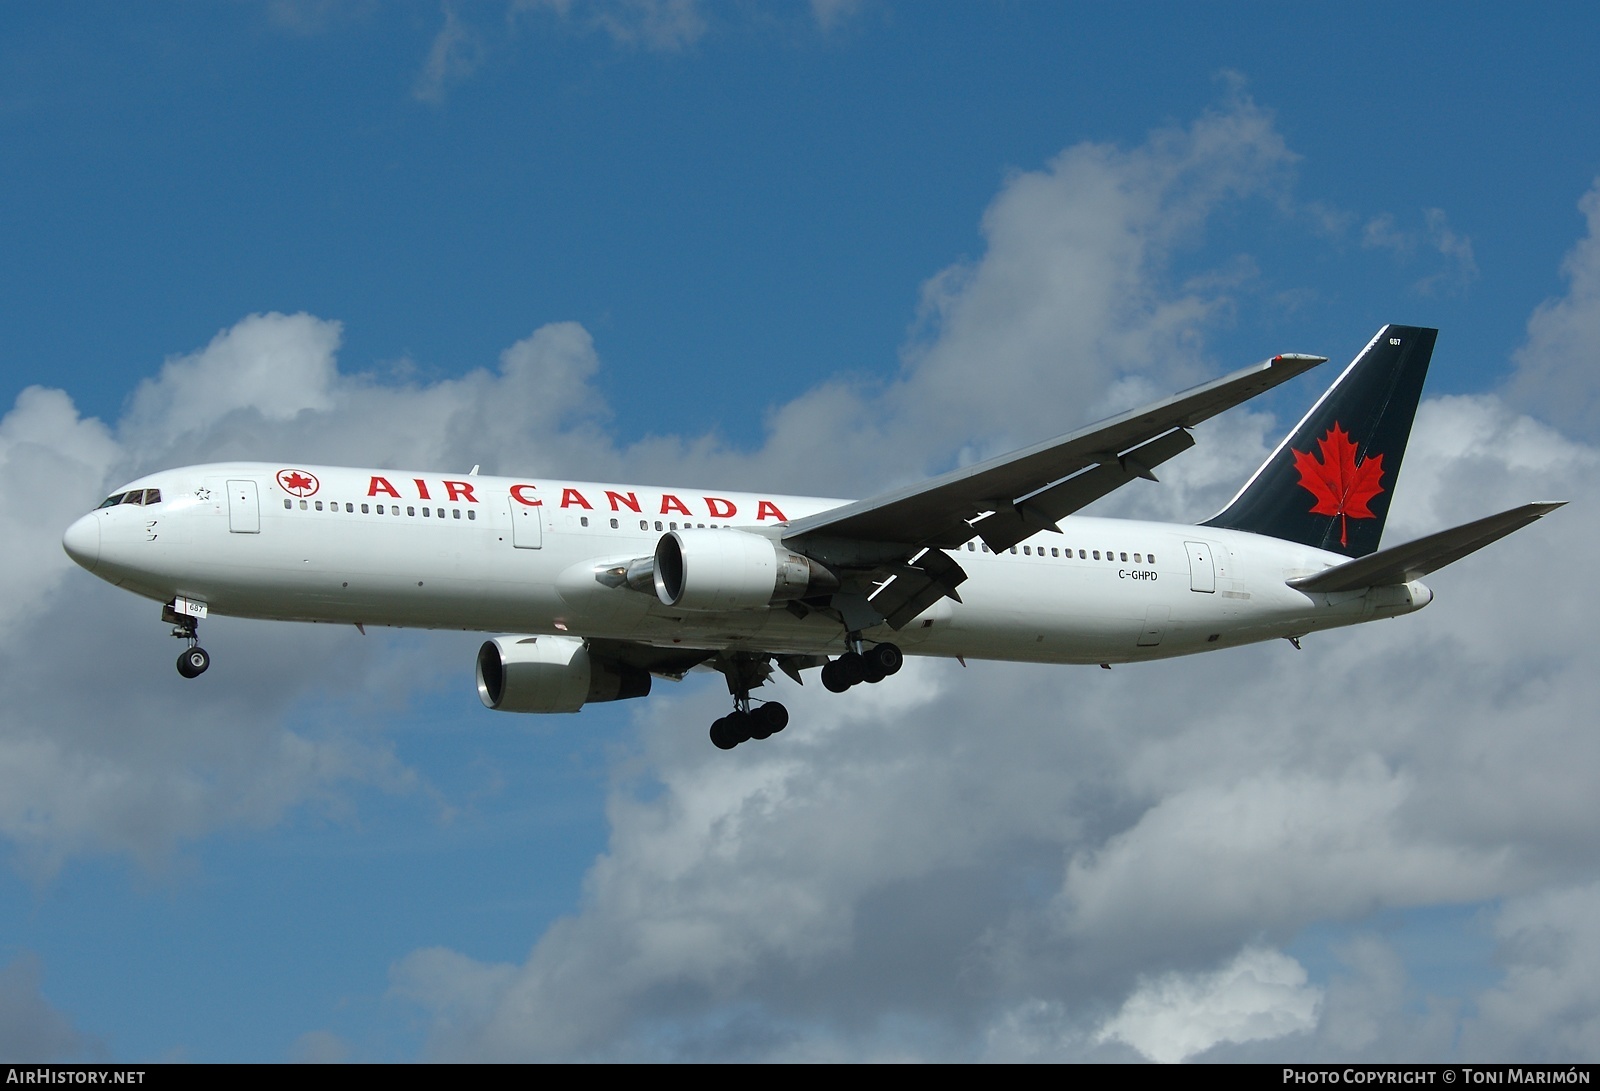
{"x":523,"y":555}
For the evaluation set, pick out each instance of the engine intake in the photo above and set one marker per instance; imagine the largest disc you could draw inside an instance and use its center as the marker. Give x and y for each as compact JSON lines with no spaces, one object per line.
{"x":551,"y":674}
{"x":733,"y":570}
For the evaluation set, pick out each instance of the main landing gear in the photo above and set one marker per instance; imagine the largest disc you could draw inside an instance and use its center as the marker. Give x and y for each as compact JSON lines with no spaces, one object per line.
{"x":855,"y":666}
{"x":744,"y":673}
{"x":194,"y":660}
{"x":745,"y":723}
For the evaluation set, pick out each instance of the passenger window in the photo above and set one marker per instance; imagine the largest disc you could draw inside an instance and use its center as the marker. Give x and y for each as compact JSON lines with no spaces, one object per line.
{"x":1124,"y":558}
{"x":1013,"y":549}
{"x":986,"y":547}
{"x":366,"y":510}
{"x":1081,"y":556}
{"x":319,"y":505}
{"x":583,"y":520}
{"x":455,"y":513}
{"x":1151,"y":558}
{"x":303,"y":505}
{"x":1136,"y":559}
{"x":658,"y":524}
{"x":1097,"y":554}
{"x":614,"y":524}
{"x":1054,"y":552}
{"x":471,"y":514}
{"x":350,"y":508}
{"x":410,"y":510}
{"x":288,"y":504}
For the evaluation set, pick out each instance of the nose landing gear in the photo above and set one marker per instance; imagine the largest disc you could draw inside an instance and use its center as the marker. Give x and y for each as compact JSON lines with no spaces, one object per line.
{"x":194,"y":660}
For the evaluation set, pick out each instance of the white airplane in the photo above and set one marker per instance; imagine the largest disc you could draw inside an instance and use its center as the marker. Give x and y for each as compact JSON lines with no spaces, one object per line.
{"x":610,"y":585}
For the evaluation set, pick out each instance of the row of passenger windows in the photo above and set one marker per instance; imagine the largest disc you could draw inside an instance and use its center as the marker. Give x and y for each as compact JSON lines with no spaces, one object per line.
{"x":1083,"y":554}
{"x":1027,"y":550}
{"x":133,"y":496}
{"x":440,"y":513}
{"x":393,"y":509}
{"x":644,"y":524}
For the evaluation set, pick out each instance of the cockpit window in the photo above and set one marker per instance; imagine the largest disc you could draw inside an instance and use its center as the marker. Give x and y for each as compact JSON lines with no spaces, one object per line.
{"x":133,"y":496}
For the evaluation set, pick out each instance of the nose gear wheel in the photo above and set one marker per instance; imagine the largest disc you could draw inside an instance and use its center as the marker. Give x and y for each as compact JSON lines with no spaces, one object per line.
{"x":194,"y":659}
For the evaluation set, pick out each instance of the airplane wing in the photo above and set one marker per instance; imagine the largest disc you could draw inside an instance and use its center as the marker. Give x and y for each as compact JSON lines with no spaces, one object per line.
{"x":1029,"y":490}
{"x":1413,"y":560}
{"x":1007,"y":499}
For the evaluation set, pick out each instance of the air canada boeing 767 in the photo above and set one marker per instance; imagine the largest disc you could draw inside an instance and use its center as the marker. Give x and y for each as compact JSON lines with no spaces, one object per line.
{"x":605,"y":586}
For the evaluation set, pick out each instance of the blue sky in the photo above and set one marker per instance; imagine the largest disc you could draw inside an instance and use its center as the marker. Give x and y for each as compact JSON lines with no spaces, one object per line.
{"x":825,"y":248}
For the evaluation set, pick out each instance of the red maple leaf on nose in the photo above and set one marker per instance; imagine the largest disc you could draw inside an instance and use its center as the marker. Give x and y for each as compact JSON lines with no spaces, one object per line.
{"x":1341,"y":484}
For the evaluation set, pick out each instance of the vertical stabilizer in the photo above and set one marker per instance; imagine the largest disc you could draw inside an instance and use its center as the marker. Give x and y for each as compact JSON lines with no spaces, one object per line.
{"x":1330,"y":482}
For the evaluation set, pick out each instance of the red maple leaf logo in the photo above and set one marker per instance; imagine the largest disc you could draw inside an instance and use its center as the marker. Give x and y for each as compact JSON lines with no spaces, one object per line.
{"x":296,"y":482}
{"x":1341,"y":484}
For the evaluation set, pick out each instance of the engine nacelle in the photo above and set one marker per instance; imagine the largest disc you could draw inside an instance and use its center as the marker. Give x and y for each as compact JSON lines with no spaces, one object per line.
{"x":551,"y":674}
{"x":733,"y":570}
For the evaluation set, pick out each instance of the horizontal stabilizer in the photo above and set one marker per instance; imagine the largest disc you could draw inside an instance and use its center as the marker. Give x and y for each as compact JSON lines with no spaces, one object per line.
{"x":1403,"y":563}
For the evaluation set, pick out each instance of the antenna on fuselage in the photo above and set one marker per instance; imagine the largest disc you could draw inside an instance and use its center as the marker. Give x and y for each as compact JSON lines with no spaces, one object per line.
{"x":474,"y":471}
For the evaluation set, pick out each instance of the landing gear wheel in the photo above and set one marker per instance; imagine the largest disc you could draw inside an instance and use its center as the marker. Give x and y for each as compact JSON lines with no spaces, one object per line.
{"x":731,"y":730}
{"x":719,"y":735}
{"x":886,"y":657}
{"x":851,"y":668}
{"x":193,"y":662}
{"x":832,"y":680}
{"x":768,"y":720}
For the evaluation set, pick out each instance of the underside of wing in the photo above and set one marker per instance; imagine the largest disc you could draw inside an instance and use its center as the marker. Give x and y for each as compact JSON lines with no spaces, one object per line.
{"x":666,"y":662}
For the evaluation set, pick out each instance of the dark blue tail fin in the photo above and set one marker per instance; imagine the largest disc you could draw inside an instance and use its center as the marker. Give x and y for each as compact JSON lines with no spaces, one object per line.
{"x":1330,"y":482}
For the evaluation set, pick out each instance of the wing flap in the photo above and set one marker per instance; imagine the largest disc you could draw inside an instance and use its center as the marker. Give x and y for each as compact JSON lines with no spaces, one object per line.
{"x":1413,"y":560}
{"x":917,"y":586}
{"x":1013,"y":523}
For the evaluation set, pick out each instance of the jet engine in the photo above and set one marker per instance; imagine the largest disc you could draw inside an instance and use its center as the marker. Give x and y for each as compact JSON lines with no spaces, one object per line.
{"x":733,"y":570}
{"x":551,"y":674}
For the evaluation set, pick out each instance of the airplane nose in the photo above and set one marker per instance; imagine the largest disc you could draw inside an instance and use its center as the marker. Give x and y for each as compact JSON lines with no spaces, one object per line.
{"x":82,"y":541}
